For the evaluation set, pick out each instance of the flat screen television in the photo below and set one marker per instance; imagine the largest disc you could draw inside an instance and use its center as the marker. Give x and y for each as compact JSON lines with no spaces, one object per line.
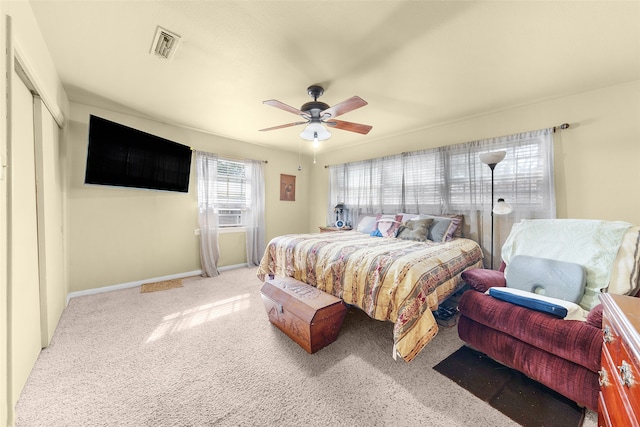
{"x":122,"y":156}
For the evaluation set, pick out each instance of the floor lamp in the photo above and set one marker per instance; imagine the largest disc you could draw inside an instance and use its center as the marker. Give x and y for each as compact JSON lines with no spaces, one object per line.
{"x":502,"y":207}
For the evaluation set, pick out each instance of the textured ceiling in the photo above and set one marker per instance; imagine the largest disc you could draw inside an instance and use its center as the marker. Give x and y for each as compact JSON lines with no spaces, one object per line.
{"x":417,"y":63}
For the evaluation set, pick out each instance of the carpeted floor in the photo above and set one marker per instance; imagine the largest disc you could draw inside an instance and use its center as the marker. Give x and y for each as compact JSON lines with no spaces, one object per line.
{"x":205,"y":354}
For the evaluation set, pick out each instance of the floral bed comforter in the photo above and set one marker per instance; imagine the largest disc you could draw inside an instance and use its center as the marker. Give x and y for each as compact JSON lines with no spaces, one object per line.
{"x":390,"y":279}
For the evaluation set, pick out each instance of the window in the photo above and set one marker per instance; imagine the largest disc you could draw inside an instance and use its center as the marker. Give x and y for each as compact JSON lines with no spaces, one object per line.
{"x":229,"y":185}
{"x":232,"y":192}
{"x":231,"y":197}
{"x":374,"y":185}
{"x":451,"y":179}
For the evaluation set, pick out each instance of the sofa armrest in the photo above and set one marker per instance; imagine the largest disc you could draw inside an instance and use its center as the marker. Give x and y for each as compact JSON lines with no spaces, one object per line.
{"x":594,"y":318}
{"x":482,"y":279}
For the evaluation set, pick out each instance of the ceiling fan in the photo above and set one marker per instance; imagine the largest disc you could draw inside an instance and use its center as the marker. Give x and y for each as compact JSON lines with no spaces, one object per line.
{"x":316,"y":114}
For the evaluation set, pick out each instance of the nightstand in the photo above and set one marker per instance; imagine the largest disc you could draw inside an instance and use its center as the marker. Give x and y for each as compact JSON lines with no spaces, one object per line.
{"x":326,"y":229}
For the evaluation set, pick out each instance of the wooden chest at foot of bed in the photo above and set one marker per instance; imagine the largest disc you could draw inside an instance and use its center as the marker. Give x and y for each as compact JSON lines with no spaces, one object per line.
{"x":310,"y":317}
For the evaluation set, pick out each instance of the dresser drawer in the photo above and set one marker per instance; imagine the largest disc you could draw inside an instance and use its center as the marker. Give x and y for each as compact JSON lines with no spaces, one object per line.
{"x":629,"y":373}
{"x":619,"y":399}
{"x":616,"y":404}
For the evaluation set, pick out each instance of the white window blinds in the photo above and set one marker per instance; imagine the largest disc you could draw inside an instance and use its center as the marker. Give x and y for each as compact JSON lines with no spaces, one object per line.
{"x":452,"y":180}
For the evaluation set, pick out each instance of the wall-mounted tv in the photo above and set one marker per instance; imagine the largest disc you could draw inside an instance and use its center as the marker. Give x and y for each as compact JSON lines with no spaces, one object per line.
{"x":122,"y":156}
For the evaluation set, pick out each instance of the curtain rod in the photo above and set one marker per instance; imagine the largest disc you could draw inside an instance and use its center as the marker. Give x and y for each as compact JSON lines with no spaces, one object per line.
{"x":230,"y":157}
{"x":555,"y":129}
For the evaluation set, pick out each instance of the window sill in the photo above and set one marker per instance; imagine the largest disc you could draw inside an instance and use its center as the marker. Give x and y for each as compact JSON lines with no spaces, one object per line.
{"x":224,"y":230}
{"x":227,"y":230}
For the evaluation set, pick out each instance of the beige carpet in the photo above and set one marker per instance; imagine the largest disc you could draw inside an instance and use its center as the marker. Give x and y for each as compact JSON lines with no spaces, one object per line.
{"x":161,"y":286}
{"x":205,"y":354}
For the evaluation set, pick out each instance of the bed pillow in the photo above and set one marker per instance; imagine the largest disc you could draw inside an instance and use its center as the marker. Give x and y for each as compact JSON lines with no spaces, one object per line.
{"x":458,"y":219}
{"x":440,"y":228}
{"x":389,"y":227}
{"x":416,"y":229}
{"x":455,"y":229}
{"x":554,"y":306}
{"x":367,"y":224}
{"x":456,"y":226}
{"x":407,"y":216}
{"x":552,"y":278}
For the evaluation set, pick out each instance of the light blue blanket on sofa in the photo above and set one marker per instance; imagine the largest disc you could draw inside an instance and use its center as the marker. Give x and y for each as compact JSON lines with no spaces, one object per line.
{"x":593,"y":244}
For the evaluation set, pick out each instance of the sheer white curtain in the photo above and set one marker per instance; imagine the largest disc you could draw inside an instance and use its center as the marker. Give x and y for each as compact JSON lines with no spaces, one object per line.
{"x":366,"y":187}
{"x":453,"y":180}
{"x":254,"y":221}
{"x":524,"y":179}
{"x":207,"y":172}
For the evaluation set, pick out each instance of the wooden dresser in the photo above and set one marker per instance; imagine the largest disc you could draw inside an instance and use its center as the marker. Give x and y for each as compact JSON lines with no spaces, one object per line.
{"x":619,"y":399}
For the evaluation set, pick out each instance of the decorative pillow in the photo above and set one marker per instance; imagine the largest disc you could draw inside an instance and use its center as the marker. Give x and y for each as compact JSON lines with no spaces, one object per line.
{"x":624,"y":272}
{"x":556,"y":279}
{"x":440,"y":228}
{"x":414,"y":230}
{"x":455,"y":229}
{"x":387,"y":225}
{"x":367,"y":224}
{"x":459,"y":220}
{"x":554,"y":306}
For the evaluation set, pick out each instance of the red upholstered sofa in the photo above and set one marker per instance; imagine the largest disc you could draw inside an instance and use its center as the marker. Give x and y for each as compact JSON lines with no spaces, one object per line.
{"x":562,"y":354}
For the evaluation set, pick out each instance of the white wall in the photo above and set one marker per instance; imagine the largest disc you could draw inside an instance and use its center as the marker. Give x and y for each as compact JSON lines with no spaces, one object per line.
{"x":18,"y":349}
{"x":120,"y":235}
{"x":5,"y":413}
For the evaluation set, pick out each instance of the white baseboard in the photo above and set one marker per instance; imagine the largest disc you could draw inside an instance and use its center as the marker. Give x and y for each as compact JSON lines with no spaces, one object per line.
{"x":130,"y":284}
{"x":233,"y":267}
{"x":140,"y":282}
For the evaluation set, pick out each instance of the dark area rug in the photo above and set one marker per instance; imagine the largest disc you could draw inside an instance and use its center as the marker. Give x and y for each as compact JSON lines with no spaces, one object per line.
{"x":522,"y":399}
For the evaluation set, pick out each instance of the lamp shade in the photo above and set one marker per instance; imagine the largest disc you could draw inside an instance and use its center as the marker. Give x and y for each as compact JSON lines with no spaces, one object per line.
{"x":339,"y":206}
{"x":315,"y":129}
{"x":502,"y":208}
{"x":493,"y":157}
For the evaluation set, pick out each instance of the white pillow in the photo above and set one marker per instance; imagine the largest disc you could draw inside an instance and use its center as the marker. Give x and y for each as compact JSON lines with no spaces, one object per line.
{"x":407,"y":216}
{"x":624,"y":273}
{"x":574,"y":311}
{"x":367,"y":224}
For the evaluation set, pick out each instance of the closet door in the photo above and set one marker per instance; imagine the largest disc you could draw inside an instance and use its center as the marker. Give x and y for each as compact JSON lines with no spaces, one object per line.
{"x":24,"y":292}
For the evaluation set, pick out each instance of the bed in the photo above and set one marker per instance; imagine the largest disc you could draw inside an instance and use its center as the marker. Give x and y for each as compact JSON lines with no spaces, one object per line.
{"x":390,"y":279}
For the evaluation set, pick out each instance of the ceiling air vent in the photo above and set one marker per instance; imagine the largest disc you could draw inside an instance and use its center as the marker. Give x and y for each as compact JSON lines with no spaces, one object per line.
{"x":164,"y":43}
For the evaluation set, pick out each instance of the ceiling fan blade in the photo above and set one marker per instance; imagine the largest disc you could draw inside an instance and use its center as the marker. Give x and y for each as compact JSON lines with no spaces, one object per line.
{"x":344,"y":107}
{"x":284,"y":126}
{"x":350,"y":126}
{"x":285,"y":107}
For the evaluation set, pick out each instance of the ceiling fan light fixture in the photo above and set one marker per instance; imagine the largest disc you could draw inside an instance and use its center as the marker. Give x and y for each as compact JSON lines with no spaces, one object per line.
{"x":315,"y":130}
{"x":316,"y":115}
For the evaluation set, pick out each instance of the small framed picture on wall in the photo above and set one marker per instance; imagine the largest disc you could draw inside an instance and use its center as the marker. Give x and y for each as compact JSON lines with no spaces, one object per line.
{"x":288,"y":187}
